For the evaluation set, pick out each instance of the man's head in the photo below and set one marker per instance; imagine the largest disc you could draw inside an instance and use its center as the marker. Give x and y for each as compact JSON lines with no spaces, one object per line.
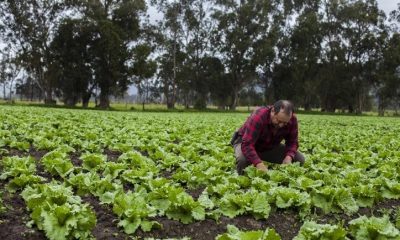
{"x":281,"y":113}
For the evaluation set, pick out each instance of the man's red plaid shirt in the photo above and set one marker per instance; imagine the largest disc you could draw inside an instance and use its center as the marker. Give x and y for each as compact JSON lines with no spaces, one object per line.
{"x":258,"y":135}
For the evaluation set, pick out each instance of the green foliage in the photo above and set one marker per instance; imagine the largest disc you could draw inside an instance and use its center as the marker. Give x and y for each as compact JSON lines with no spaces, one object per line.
{"x":112,"y":170}
{"x":314,"y":231}
{"x":178,"y":166}
{"x":3,"y":209}
{"x":57,"y":163}
{"x":16,"y":166}
{"x":331,"y":199}
{"x":133,"y":210}
{"x":175,"y":203}
{"x":373,"y":228}
{"x":397,"y":218}
{"x":83,"y":182}
{"x":334,"y":55}
{"x":26,"y":27}
{"x":254,"y":202}
{"x":58,"y":212}
{"x":21,"y":171}
{"x":235,"y":234}
{"x":93,"y":161}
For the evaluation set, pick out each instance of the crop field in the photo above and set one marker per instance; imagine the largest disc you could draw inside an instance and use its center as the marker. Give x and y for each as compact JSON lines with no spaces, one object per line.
{"x":76,"y":174}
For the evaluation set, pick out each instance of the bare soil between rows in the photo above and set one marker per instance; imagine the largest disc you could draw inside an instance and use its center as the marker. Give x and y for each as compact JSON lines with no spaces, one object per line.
{"x":13,"y":223}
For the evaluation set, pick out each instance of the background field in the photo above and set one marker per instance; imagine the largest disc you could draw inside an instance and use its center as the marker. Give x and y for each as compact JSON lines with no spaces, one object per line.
{"x":171,"y":175}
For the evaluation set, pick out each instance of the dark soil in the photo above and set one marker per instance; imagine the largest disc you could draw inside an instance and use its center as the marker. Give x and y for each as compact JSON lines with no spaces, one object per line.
{"x":144,"y":152}
{"x":112,"y":156}
{"x":378,"y":211}
{"x":195,"y":193}
{"x":42,"y":172}
{"x":13,"y":221}
{"x":37,"y":154}
{"x":106,"y":226}
{"x":285,"y":224}
{"x":166,"y":174}
{"x":128,"y":187}
{"x":75,"y":158}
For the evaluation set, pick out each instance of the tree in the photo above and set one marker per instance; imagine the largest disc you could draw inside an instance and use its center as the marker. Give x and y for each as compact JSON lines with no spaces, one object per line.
{"x":361,"y":26}
{"x":197,"y":31}
{"x":237,"y":31}
{"x":170,"y":73}
{"x":143,"y":69}
{"x":305,"y":54}
{"x":116,"y":32}
{"x":213,"y":74}
{"x":72,"y":66}
{"x":10,"y":69}
{"x":388,"y":80}
{"x":247,"y":35}
{"x":170,"y":48}
{"x":28,"y":26}
{"x":387,"y":55}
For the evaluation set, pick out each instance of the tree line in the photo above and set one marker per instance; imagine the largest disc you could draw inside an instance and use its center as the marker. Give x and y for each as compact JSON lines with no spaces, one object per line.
{"x":329,"y":54}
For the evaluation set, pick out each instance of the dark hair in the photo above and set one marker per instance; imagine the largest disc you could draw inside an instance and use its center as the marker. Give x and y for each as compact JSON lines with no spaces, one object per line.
{"x":284,"y":105}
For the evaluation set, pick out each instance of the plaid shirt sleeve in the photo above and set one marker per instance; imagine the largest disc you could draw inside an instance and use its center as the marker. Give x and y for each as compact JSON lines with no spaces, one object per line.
{"x":251,"y":133}
{"x":291,"y":140}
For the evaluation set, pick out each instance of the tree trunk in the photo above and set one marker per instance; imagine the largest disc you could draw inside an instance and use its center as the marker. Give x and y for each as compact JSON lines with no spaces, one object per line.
{"x":307,"y":107}
{"x":69,"y":102}
{"x":234,"y":100}
{"x":4,"y":91}
{"x":170,"y":96}
{"x":201,"y":101}
{"x":30,"y":92}
{"x":11,"y":84}
{"x":186,"y":99}
{"x":48,"y":99}
{"x":170,"y":103}
{"x":104,"y":101}
{"x":381,"y":111}
{"x":86,"y":99}
{"x":381,"y":107}
{"x":351,"y":109}
{"x":358,"y":102}
{"x":171,"y":99}
{"x":307,"y":104}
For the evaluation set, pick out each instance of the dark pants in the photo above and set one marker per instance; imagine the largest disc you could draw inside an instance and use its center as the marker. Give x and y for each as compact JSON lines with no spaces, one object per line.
{"x":275,"y":155}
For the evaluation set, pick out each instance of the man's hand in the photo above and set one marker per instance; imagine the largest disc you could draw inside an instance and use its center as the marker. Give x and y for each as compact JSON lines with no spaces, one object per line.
{"x":261,"y":166}
{"x":287,"y":160}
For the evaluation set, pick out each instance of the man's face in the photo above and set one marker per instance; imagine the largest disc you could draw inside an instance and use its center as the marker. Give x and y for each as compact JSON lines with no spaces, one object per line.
{"x":279,"y":120}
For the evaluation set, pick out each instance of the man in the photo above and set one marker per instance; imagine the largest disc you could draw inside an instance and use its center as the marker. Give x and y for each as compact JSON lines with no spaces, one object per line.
{"x":259,"y":139}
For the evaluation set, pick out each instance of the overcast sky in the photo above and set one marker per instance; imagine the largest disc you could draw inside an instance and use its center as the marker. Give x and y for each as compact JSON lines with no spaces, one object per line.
{"x":388,"y":5}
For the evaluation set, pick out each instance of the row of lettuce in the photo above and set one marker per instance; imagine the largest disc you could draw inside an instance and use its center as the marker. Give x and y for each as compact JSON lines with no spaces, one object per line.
{"x":62,"y":215}
{"x":350,"y":164}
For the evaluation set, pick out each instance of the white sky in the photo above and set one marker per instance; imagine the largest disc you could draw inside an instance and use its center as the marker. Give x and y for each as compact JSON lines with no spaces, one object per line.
{"x":388,"y":5}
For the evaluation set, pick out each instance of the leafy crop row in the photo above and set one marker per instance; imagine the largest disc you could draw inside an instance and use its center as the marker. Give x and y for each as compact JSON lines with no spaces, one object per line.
{"x":351,"y":163}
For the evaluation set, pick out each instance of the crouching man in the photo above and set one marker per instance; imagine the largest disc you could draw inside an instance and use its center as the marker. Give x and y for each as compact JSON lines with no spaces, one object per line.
{"x":259,"y":139}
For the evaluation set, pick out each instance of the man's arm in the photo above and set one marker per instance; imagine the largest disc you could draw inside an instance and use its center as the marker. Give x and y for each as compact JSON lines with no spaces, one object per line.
{"x":250,"y":136}
{"x":291,"y":142}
